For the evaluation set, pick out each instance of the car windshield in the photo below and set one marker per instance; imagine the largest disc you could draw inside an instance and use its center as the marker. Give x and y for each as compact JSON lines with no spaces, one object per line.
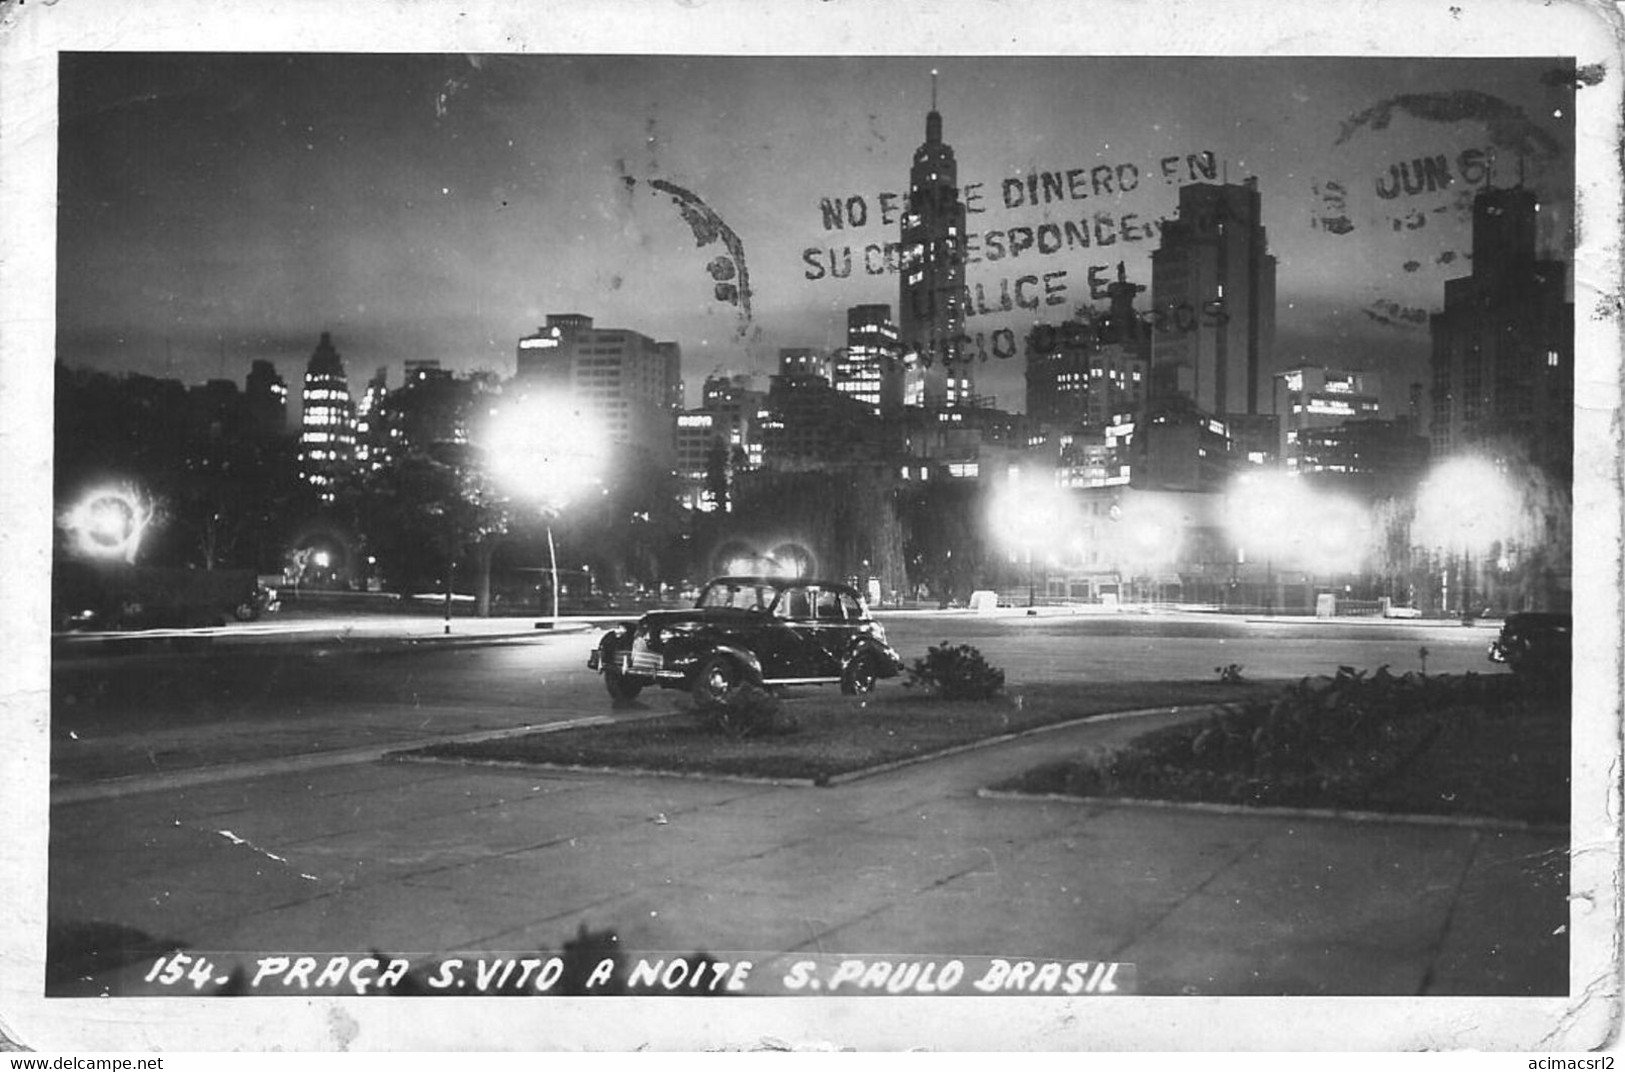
{"x":739,"y":596}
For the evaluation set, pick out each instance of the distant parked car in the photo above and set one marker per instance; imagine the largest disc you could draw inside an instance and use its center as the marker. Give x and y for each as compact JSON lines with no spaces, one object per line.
{"x":765,"y":631}
{"x":262,"y":601}
{"x":1534,"y":643}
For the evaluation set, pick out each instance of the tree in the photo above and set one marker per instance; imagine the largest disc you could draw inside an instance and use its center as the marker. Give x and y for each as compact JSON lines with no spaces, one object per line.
{"x":630,"y":530}
{"x":944,"y":545}
{"x":430,"y":507}
{"x":226,"y":490}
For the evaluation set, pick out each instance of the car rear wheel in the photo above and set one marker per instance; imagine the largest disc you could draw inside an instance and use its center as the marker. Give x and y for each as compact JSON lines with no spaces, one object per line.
{"x":861,"y":676}
{"x":719,"y":677}
{"x":622,"y":689}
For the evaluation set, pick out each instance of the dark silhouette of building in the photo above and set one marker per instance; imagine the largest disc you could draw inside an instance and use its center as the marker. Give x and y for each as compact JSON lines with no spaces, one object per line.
{"x":1089,"y":371}
{"x":1177,"y":447}
{"x":1213,"y":289}
{"x":1374,"y":459}
{"x":371,"y":436}
{"x":431,"y":407}
{"x":802,"y":362}
{"x":931,"y":310}
{"x":806,"y":424}
{"x":267,"y":400}
{"x":1503,"y":348}
{"x":1208,"y":408}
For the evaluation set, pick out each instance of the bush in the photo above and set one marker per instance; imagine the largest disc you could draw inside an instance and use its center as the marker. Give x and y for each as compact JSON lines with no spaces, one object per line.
{"x":1324,"y":740}
{"x":748,"y":711}
{"x":956,"y":673}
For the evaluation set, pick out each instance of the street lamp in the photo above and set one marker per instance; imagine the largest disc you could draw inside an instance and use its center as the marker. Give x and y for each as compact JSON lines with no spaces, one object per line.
{"x":1262,"y":513}
{"x":109,"y":523}
{"x":1464,"y":506}
{"x":543,"y":449}
{"x":1031,"y":515}
{"x":1150,"y":531}
{"x":1290,"y":523}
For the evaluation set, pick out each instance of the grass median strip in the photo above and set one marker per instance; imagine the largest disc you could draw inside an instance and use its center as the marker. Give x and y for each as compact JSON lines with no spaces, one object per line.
{"x":822,"y":735}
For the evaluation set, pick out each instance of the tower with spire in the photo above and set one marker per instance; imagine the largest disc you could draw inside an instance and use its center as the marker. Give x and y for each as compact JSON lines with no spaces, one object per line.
{"x":327,"y":424}
{"x":936,"y":371}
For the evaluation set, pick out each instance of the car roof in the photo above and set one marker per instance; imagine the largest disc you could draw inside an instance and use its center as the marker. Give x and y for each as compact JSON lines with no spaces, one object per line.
{"x":781,"y":582}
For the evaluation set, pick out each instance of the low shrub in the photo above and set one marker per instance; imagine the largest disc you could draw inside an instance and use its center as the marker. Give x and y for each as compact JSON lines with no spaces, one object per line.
{"x":956,"y":673}
{"x":749,"y":711}
{"x":1324,"y":740}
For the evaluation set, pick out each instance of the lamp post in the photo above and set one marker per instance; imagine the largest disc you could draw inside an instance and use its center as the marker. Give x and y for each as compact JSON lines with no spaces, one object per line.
{"x":543,"y":449}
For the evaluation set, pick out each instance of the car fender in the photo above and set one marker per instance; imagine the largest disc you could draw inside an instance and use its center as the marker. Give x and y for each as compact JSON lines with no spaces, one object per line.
{"x":616,"y":638}
{"x":744,"y":656}
{"x":891,"y":663}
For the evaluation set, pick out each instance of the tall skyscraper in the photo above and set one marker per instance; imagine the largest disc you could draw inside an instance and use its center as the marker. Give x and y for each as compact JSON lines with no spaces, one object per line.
{"x":931,"y":310}
{"x":1503,"y":348}
{"x":327,"y":427}
{"x":627,"y":381}
{"x":869,"y":369}
{"x":1213,"y":284}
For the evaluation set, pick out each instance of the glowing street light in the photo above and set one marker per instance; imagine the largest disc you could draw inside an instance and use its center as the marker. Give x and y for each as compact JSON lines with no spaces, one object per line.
{"x":1287,"y":523}
{"x":1150,"y":529}
{"x":1031,"y":516}
{"x":1464,"y":507}
{"x":545,"y":450}
{"x":109,"y":523}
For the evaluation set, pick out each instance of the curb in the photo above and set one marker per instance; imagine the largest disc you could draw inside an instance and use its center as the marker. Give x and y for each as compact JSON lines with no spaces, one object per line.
{"x":413,"y":755}
{"x":194,"y":643}
{"x":625,"y":772}
{"x":186,"y":778}
{"x":1006,"y":738}
{"x":845,"y":777}
{"x":1466,"y":822}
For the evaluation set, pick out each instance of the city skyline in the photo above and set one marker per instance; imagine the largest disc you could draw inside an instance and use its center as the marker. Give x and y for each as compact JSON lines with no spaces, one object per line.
{"x":216,"y":210}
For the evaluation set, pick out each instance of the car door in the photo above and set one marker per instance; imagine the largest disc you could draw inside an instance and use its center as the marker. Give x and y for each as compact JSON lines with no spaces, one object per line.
{"x":826,"y":633}
{"x":799,"y":643}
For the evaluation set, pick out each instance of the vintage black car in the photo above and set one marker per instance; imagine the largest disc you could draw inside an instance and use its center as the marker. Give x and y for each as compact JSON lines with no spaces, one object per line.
{"x":1535,"y":643}
{"x":765,"y":631}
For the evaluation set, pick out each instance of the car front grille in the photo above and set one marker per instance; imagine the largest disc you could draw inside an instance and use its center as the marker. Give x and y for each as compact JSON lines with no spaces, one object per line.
{"x":645,"y":660}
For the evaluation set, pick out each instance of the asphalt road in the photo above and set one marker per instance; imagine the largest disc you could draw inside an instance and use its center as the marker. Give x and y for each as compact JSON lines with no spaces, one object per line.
{"x":160,"y":711}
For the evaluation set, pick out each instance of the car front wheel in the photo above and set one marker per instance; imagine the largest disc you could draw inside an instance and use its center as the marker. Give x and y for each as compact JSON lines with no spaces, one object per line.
{"x":622,"y":689}
{"x":719,"y":677}
{"x":861,"y":676}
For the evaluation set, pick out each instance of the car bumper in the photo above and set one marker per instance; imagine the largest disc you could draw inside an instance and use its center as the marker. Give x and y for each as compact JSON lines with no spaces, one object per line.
{"x":636,"y":664}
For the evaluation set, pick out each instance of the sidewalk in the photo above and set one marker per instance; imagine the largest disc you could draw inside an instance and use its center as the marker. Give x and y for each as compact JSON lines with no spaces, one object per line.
{"x":425,"y":859}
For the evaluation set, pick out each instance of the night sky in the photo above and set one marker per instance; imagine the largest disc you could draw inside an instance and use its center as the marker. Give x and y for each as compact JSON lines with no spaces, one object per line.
{"x":216,"y":209}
